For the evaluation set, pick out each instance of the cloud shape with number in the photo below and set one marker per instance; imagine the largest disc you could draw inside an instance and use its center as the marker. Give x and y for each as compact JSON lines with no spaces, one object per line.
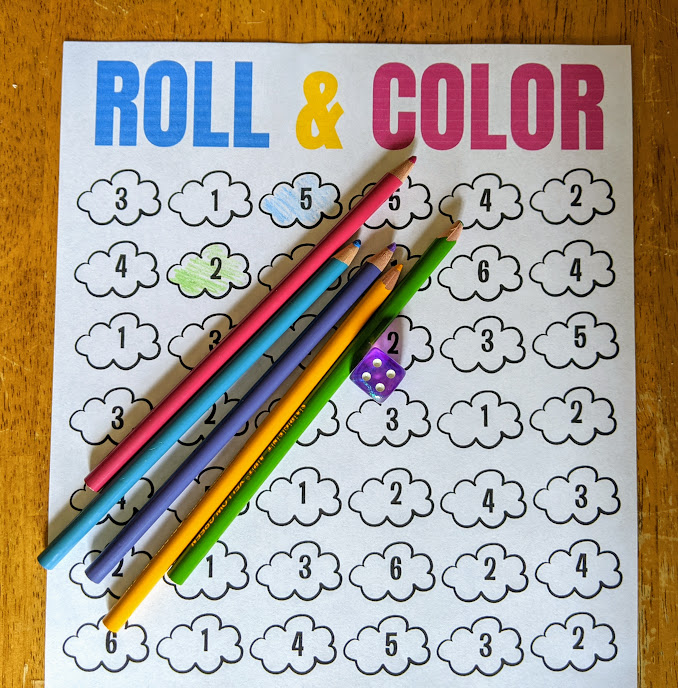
{"x":290,"y":336}
{"x":397,"y":573}
{"x":304,"y":497}
{"x":182,"y":506}
{"x":396,"y":498}
{"x":123,"y":342}
{"x":219,"y":572}
{"x":490,"y":573}
{"x":577,"y":269}
{"x":410,"y":202}
{"x":216,"y":199}
{"x":305,"y":572}
{"x":584,"y":569}
{"x":124,"y":198}
{"x":581,"y":495}
{"x":306,"y":201}
{"x":214,"y":271}
{"x":487,"y":345}
{"x":577,"y":197}
{"x":298,"y":645}
{"x":197,"y":341}
{"x":123,"y":270}
{"x":206,"y":644}
{"x":209,"y":420}
{"x":282,"y":264}
{"x":392,"y":646}
{"x":128,"y":505}
{"x":486,"y":647}
{"x":578,"y":643}
{"x":325,"y":424}
{"x":402,"y":255}
{"x":124,"y":574}
{"x":581,"y":341}
{"x":485,"y":420}
{"x":395,"y":421}
{"x":488,"y":499}
{"x":111,"y":418}
{"x":406,"y":342}
{"x":578,"y":416}
{"x":93,"y":646}
{"x":485,"y":274}
{"x":485,"y":202}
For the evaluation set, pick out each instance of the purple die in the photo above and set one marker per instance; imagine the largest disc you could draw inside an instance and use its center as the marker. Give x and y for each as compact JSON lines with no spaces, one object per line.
{"x":378,"y":374}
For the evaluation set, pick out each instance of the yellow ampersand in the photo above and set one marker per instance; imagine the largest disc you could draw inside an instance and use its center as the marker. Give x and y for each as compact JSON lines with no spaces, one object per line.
{"x":319,"y":89}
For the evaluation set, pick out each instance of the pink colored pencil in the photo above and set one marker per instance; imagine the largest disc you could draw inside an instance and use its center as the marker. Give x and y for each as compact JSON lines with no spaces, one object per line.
{"x":248,"y":326}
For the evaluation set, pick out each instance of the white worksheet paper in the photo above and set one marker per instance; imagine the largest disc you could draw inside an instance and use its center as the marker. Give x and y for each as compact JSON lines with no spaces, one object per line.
{"x":479,"y":526}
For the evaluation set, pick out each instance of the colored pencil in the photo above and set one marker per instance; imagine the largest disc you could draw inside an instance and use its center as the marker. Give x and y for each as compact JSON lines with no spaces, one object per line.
{"x":183,"y":535}
{"x":306,"y":412}
{"x":248,"y":326}
{"x":116,"y":488}
{"x":163,"y":498}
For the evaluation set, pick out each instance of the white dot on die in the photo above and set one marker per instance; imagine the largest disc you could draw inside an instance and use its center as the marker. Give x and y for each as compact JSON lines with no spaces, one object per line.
{"x":379,"y":387}
{"x":390,"y":374}
{"x":367,"y":377}
{"x":376,"y":363}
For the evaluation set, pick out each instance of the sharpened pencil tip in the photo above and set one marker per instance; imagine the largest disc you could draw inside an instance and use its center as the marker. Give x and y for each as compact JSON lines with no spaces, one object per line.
{"x":358,"y":243}
{"x":412,"y":158}
{"x":455,"y":231}
{"x":392,"y":247}
{"x":398,"y":267}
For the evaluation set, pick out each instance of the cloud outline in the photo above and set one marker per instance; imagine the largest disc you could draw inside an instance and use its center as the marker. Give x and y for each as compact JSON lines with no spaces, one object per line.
{"x":387,"y":220}
{"x":195,"y":665}
{"x":537,"y":195}
{"x":280,"y":186}
{"x":594,"y":282}
{"x":176,"y":267}
{"x":597,"y":657}
{"x":383,"y":666}
{"x":141,"y":356}
{"x":206,"y":218}
{"x":471,"y":186}
{"x":535,"y":418}
{"x":480,"y":520}
{"x":481,"y":593}
{"x":141,"y":213}
{"x":370,"y":403}
{"x":575,"y":589}
{"x":97,"y":627}
{"x":599,"y":510}
{"x":139,"y":284}
{"x":503,"y":662}
{"x":387,"y":517}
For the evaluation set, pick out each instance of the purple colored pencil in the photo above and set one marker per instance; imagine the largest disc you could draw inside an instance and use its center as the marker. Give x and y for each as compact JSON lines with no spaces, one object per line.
{"x":238,"y":416}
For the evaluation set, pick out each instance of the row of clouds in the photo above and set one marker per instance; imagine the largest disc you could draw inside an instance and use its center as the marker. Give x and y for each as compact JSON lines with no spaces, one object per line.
{"x":306,"y":200}
{"x":487,"y":345}
{"x":393,"y":645}
{"x":215,"y":270}
{"x":396,"y":573}
{"x":484,"y":420}
{"x":397,"y":498}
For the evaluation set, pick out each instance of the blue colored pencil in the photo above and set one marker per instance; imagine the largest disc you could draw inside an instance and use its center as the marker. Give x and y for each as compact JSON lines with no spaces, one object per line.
{"x":134,"y":470}
{"x":156,"y":506}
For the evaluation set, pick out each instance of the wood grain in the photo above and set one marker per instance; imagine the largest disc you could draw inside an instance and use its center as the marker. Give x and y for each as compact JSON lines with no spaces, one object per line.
{"x":32,"y":35}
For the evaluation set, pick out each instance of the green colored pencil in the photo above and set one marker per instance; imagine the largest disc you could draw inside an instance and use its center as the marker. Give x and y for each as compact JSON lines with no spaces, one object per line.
{"x":304,"y":415}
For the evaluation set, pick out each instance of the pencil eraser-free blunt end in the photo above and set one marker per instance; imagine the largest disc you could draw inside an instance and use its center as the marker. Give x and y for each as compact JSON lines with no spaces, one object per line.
{"x":378,"y":374}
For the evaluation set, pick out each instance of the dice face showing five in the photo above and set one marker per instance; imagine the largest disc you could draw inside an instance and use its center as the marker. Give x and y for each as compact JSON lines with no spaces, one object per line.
{"x":378,"y":374}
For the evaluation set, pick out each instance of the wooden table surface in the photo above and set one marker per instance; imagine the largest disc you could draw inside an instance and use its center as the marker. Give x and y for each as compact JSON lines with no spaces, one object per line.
{"x":32,"y":35}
